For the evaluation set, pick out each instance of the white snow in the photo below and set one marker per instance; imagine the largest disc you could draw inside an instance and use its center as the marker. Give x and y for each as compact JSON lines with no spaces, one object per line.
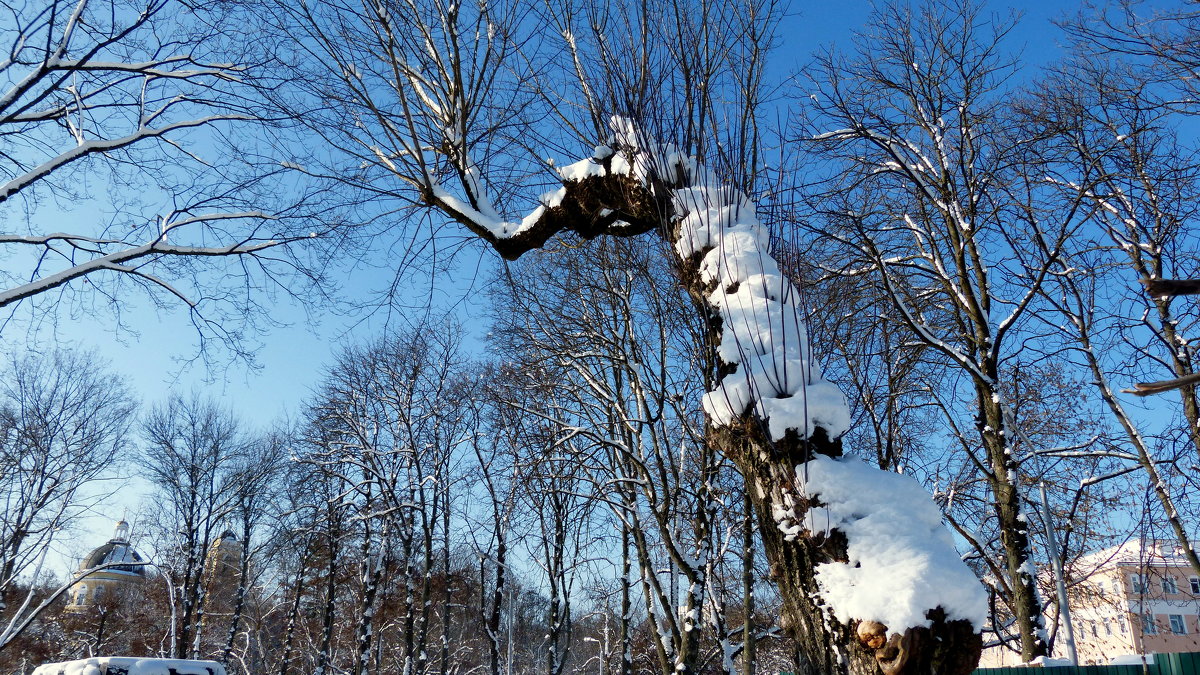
{"x":902,"y":558}
{"x":131,"y":666}
{"x":763,"y":330}
{"x":1132,"y":660}
{"x":1047,"y":662}
{"x":581,"y":169}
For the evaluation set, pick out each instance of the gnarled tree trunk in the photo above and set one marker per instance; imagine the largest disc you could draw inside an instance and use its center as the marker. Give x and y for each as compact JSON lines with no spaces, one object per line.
{"x":626,"y":192}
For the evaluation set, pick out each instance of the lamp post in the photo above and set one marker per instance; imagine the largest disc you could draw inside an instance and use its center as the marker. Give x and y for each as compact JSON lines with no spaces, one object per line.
{"x":599,"y":657}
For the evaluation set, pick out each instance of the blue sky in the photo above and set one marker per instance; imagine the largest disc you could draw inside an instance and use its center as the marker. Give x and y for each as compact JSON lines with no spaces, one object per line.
{"x":153,"y":352}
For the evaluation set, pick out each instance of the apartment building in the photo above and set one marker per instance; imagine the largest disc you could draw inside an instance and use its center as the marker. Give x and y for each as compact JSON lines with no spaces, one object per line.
{"x":1135,"y":599}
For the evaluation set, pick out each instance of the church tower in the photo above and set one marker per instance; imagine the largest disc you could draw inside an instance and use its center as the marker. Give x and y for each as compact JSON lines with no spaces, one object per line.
{"x":222,"y":574}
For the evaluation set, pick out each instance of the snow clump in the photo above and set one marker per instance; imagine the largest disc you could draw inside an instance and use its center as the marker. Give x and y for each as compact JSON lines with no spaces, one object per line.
{"x":762,"y":325}
{"x":902,"y":558}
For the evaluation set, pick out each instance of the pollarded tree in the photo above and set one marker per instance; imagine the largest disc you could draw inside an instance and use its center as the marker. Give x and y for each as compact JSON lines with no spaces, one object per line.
{"x":427,"y":86}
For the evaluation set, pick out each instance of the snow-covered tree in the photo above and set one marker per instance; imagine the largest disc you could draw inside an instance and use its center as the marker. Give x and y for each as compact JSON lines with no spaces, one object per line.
{"x":927,"y":195}
{"x":63,"y":422}
{"x":193,"y":453}
{"x":869,"y":577}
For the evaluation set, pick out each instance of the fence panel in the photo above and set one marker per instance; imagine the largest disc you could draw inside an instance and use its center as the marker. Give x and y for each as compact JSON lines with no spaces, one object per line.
{"x":1187,"y":663}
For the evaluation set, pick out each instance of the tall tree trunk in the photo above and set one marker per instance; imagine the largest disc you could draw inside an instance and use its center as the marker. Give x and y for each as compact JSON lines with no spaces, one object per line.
{"x":1014,"y":529}
{"x":370,"y":572}
{"x":626,"y":598}
{"x":240,"y":599}
{"x":324,"y":662}
{"x":289,"y":634}
{"x":749,"y":649}
{"x":444,"y":657}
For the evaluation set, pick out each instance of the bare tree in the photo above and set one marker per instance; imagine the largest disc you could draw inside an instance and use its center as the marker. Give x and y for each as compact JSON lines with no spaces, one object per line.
{"x":140,"y":100}
{"x":258,"y":485}
{"x":390,"y":422}
{"x":928,"y":192}
{"x":1108,"y":136}
{"x":65,"y":423}
{"x":608,"y":327}
{"x":192,"y":456}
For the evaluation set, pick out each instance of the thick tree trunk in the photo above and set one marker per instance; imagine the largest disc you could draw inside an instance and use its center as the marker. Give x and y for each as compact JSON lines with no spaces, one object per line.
{"x":769,"y":467}
{"x":825,"y":646}
{"x":1014,"y":529}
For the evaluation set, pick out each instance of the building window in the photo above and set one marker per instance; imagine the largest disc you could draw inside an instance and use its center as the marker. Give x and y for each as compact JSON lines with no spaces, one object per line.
{"x":1139,"y":583}
{"x":1121,"y":623}
{"x":1168,"y":585}
{"x":1195,"y":581}
{"x":1148,"y":625}
{"x":1107,"y":627}
{"x":1178,"y":626}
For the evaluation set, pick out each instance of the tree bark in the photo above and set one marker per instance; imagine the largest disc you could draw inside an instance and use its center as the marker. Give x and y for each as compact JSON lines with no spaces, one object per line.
{"x":769,"y":469}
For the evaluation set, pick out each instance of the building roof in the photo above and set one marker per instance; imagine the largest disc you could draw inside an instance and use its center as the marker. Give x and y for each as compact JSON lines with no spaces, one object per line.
{"x":1136,"y":553}
{"x":116,"y":550}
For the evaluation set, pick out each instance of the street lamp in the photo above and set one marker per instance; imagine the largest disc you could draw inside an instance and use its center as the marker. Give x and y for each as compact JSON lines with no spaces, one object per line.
{"x":599,"y":657}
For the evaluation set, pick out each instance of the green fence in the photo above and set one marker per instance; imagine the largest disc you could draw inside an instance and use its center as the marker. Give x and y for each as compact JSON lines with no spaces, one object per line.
{"x":1164,"y":664}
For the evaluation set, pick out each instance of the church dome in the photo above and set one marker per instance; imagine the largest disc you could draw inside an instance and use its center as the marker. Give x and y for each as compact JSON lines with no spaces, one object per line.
{"x":126,"y":571}
{"x":116,"y":550}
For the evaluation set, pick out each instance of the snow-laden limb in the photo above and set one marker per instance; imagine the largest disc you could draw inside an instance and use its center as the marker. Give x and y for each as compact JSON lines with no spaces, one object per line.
{"x":630,"y":186}
{"x":900,"y":564}
{"x":902,"y":561}
{"x":104,"y":665}
{"x":763,"y":333}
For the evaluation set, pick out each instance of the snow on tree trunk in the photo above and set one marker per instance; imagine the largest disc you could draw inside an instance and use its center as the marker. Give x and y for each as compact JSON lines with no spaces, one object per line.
{"x":869,"y":576}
